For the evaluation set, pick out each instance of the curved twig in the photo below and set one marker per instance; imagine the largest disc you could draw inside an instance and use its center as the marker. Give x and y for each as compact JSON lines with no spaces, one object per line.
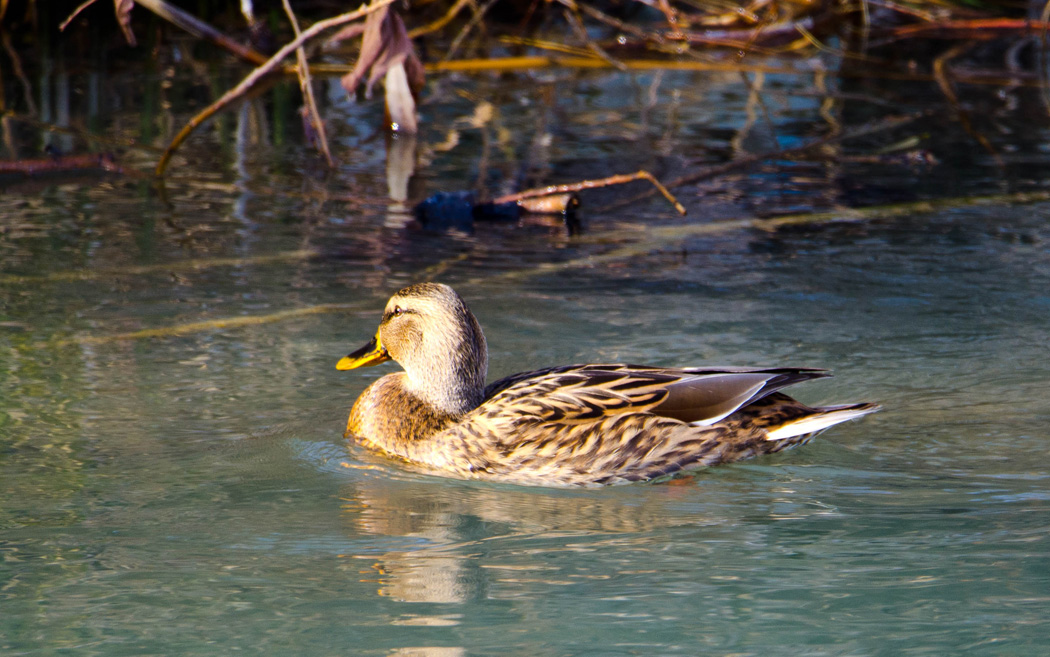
{"x":307,"y":88}
{"x":620,"y":179}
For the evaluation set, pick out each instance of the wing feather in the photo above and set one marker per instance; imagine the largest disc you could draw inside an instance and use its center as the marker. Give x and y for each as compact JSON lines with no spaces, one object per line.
{"x":587,"y":393}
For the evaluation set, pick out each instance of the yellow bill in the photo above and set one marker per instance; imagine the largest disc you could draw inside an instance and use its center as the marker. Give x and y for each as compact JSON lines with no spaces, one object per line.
{"x":372,"y":353}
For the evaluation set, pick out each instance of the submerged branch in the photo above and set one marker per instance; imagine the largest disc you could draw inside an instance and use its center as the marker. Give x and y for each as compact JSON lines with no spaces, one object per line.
{"x":199,"y":264}
{"x":666,"y":237}
{"x":209,"y":325}
{"x":655,"y":238}
{"x":941,"y":74}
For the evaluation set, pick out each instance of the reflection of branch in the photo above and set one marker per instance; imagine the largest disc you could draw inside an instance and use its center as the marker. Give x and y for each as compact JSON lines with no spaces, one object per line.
{"x":572,"y":17}
{"x":748,"y":160}
{"x":259,"y":73}
{"x":637,"y":32}
{"x":479,"y":13}
{"x":940,"y":73}
{"x":113,"y":142}
{"x":16,"y":64}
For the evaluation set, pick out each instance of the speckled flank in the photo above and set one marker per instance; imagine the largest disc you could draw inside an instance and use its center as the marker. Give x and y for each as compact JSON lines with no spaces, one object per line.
{"x":563,"y":426}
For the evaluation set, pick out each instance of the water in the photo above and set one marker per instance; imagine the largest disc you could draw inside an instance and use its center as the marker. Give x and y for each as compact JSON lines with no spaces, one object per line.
{"x":191,"y":494}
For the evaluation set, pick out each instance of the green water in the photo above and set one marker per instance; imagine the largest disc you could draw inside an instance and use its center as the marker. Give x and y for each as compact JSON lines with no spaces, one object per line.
{"x":192,"y":494}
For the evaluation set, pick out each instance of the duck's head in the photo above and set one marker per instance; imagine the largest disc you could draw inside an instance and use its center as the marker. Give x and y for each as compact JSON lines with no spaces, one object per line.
{"x":429,"y":331}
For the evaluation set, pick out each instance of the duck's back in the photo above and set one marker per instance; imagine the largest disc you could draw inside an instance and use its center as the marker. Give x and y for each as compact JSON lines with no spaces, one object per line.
{"x":601,"y":424}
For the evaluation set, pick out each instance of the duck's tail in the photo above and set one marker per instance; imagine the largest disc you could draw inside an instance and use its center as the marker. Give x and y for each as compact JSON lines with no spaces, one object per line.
{"x":818,"y":420}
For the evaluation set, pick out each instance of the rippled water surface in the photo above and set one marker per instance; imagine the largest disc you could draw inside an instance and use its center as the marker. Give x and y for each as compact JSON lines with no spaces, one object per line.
{"x":187,"y":491}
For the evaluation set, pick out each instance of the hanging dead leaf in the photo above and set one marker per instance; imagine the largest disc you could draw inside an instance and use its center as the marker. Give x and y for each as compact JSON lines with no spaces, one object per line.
{"x":123,"y":11}
{"x":385,"y":47}
{"x":385,"y":43}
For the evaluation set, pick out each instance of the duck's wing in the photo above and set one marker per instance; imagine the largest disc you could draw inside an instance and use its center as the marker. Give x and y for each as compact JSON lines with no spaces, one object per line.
{"x":585,"y":393}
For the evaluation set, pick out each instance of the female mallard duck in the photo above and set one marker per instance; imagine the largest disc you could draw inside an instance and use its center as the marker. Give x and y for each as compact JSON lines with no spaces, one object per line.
{"x":572,"y":425}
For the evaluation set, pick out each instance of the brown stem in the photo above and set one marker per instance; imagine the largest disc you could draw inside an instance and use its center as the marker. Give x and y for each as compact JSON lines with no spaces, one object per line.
{"x":303,"y":71}
{"x":441,"y":22}
{"x":200,"y":29}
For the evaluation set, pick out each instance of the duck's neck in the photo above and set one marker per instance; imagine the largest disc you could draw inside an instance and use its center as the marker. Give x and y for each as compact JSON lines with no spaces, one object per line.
{"x":454,"y":392}
{"x":450,"y":371}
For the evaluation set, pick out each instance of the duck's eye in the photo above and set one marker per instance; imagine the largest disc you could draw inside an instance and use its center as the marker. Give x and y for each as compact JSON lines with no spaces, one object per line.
{"x":397,"y":311}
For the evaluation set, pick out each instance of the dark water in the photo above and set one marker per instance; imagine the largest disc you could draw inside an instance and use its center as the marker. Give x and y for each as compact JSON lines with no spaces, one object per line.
{"x":190,"y":493}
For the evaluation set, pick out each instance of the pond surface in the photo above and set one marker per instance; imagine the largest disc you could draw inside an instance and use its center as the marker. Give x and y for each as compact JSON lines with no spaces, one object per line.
{"x":187,"y":491}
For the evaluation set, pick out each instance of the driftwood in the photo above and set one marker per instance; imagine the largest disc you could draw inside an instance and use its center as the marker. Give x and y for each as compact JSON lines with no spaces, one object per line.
{"x":558,"y":194}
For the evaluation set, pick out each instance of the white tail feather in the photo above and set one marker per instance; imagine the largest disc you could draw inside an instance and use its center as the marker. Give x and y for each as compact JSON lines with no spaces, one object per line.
{"x":815,"y":423}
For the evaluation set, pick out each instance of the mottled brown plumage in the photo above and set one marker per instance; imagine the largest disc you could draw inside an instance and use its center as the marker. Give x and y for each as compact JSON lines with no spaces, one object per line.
{"x":572,"y":425}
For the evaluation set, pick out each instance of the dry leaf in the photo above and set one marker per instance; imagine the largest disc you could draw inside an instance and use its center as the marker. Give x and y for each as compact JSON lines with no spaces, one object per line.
{"x":385,"y":45}
{"x":123,"y":10}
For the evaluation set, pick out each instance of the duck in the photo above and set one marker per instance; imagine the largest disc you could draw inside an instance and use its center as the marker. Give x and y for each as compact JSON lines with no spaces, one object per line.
{"x":574,"y":425}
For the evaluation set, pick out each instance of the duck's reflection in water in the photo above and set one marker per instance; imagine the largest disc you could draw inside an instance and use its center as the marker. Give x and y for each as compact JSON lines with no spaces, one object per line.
{"x":429,"y":651}
{"x":465,"y":532}
{"x":463,"y":548}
